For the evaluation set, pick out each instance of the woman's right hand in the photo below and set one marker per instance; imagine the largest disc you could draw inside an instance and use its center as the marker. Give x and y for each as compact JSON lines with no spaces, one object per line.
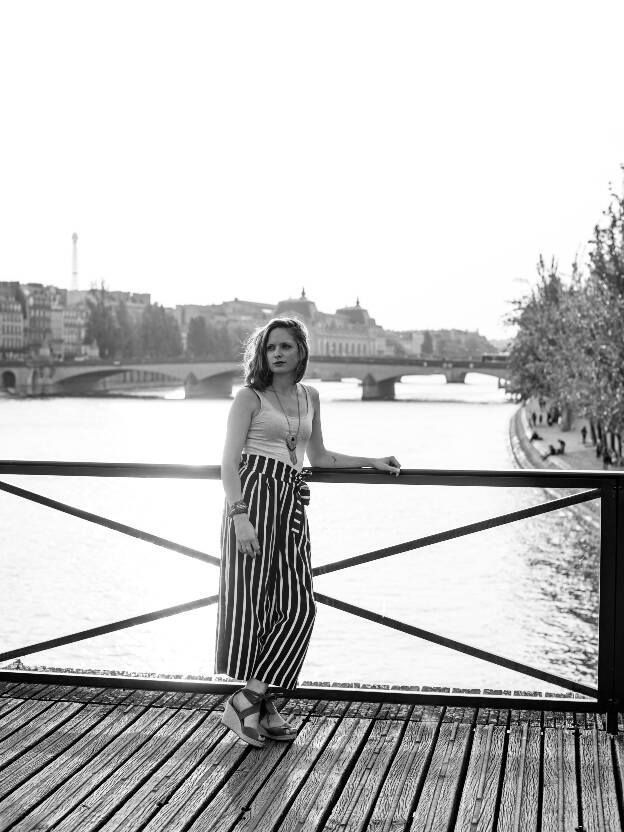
{"x":246,"y":537}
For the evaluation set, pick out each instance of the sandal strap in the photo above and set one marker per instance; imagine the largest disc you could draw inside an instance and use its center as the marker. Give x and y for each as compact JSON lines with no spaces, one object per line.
{"x":269,"y":702}
{"x":256,"y":700}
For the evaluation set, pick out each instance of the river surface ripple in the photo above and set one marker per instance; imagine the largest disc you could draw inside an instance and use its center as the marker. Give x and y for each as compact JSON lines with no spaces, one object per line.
{"x":528,"y":590}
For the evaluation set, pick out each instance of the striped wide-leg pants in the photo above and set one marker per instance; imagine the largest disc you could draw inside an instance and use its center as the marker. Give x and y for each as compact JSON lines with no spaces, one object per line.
{"x":266,"y":604}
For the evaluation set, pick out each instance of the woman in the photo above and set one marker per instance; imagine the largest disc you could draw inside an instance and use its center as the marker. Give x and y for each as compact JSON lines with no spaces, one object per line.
{"x":266,"y":602}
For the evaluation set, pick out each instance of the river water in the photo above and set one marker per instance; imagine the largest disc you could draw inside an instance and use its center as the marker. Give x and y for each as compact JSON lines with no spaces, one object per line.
{"x":528,"y":591}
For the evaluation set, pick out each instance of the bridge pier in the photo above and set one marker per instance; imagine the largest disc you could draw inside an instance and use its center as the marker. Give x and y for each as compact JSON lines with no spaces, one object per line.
{"x":217,"y":387}
{"x":372,"y":389}
{"x":455,"y":376}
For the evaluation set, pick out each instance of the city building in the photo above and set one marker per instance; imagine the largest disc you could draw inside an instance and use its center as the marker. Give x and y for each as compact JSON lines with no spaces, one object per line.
{"x":350,"y":331}
{"x":11,"y":321}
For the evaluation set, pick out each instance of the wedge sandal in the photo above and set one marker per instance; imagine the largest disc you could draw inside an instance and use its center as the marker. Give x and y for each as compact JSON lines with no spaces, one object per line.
{"x":234,"y":718}
{"x":281,"y":733}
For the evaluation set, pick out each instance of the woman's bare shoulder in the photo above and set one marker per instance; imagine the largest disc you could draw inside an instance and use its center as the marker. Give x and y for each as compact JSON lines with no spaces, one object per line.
{"x":247,"y":399}
{"x":313,"y":392}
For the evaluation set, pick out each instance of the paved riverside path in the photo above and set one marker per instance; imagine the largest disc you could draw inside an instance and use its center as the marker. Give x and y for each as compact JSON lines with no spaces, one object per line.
{"x":577,"y":457}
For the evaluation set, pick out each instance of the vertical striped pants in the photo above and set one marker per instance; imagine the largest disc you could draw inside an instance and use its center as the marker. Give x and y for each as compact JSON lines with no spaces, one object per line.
{"x":266,"y":604}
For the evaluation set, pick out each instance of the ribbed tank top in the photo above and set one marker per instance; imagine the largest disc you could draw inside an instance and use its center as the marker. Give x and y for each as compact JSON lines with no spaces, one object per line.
{"x":268,"y":429}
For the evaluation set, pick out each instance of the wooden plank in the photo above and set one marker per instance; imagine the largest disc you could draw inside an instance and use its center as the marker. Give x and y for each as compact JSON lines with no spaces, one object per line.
{"x":56,"y":693}
{"x":478,"y":800}
{"x":29,"y":734}
{"x":434,"y":812}
{"x":170,"y":776}
{"x":520,"y":794}
{"x":394,"y":710}
{"x":427,"y":713}
{"x":363,"y":710}
{"x":325,"y":707}
{"x":558,"y":719}
{"x":115,"y":696}
{"x":493,"y":716}
{"x":559,"y":793}
{"x":522,"y":717}
{"x":273,"y":799}
{"x":360,"y":792}
{"x":324,"y":782}
{"x":28,"y":690}
{"x":598,"y":795}
{"x":80,"y":769}
{"x":207,"y":701}
{"x":405,"y":777}
{"x":20,"y":717}
{"x":139,"y":697}
{"x":101,"y":804}
{"x":202,"y":784}
{"x":204,"y":701}
{"x":465,"y":716}
{"x":235,"y":797}
{"x":7,"y":704}
{"x":38,"y":757}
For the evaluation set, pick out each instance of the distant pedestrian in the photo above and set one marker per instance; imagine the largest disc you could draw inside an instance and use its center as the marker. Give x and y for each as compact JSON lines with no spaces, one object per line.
{"x":541,"y":419}
{"x":584,"y":433}
{"x":606,"y":458}
{"x":562,"y":445}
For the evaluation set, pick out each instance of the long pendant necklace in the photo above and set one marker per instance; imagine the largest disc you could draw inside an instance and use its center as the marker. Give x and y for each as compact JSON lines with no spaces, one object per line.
{"x":291,"y":438}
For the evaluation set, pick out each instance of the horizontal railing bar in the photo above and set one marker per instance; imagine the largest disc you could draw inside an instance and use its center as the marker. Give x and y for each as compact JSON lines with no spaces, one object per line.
{"x":335,"y":692}
{"x":108,"y":628}
{"x":408,"y":476}
{"x":460,"y":531}
{"x":510,"y":664}
{"x":109,"y":469}
{"x":521,"y":478}
{"x":107,"y":523}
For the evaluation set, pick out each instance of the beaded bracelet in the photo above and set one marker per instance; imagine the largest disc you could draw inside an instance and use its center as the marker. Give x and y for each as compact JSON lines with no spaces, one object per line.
{"x":239,"y":507}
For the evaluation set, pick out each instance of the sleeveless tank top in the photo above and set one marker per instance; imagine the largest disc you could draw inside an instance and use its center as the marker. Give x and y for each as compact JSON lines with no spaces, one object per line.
{"x":269,"y":428}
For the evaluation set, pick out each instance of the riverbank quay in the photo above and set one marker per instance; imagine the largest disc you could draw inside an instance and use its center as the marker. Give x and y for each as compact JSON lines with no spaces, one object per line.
{"x":577,"y":456}
{"x":83,"y":757}
{"x":511,"y":772}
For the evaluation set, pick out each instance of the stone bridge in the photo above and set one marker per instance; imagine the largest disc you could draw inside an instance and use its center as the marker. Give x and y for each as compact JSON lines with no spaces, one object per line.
{"x":214,"y":379}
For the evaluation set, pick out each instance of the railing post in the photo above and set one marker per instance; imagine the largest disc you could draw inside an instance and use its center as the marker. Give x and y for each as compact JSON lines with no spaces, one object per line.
{"x":609,"y":683}
{"x":618,"y":672}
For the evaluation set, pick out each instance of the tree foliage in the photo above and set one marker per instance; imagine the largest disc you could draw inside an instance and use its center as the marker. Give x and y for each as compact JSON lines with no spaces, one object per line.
{"x":119,"y":335}
{"x":569,"y":345}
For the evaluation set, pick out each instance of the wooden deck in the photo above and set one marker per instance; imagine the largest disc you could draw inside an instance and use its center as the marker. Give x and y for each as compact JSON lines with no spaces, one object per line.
{"x":87,"y":758}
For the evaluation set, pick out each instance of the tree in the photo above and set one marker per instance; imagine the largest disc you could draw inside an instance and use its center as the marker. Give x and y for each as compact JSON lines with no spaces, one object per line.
{"x":102,"y":326}
{"x":159,"y":333}
{"x":427,"y":344}
{"x":127,"y":332}
{"x":197,"y":338}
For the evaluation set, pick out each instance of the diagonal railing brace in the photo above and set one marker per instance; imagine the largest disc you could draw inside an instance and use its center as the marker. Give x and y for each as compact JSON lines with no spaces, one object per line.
{"x":402,"y":627}
{"x":460,"y":531}
{"x":107,"y":523}
{"x":108,"y":628}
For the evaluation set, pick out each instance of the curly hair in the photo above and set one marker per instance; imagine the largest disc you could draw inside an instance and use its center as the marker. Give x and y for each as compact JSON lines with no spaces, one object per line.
{"x":255,"y":364}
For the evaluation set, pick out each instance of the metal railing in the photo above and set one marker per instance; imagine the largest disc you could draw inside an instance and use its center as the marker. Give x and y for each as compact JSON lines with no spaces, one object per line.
{"x":607,"y":487}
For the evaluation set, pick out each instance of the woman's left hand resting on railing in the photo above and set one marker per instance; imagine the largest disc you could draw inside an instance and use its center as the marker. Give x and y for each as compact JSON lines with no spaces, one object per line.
{"x":387,"y":463}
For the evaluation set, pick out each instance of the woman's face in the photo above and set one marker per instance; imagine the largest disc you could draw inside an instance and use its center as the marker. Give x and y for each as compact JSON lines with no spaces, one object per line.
{"x":282,"y":351}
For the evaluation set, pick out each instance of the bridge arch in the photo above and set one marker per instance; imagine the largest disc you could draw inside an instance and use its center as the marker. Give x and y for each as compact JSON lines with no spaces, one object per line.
{"x":8,"y":380}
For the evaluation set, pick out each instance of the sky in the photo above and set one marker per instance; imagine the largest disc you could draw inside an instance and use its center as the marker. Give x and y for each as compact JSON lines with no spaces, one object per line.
{"x":417,"y":156}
